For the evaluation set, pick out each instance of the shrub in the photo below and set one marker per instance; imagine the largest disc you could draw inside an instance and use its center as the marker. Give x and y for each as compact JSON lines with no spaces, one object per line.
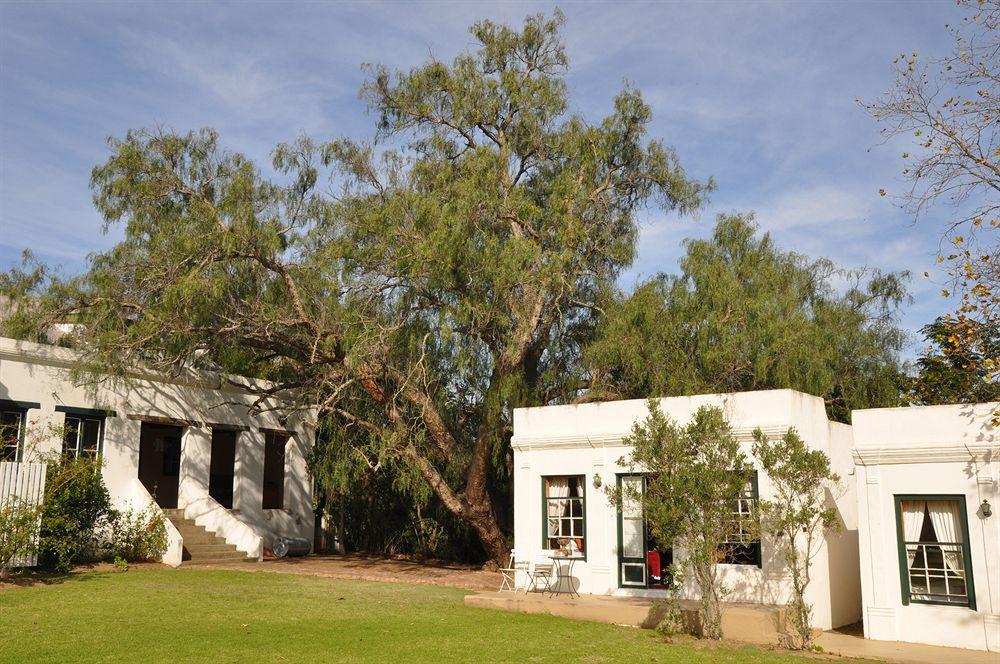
{"x":137,"y":536}
{"x":76,"y":508}
{"x":18,"y":531}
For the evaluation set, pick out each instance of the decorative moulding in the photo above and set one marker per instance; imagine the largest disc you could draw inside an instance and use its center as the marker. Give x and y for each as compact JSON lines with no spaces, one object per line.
{"x":874,"y":456}
{"x":524,"y":443}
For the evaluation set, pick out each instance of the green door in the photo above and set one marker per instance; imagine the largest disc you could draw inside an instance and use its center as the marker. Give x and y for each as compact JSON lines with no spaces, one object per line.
{"x":631,"y":533}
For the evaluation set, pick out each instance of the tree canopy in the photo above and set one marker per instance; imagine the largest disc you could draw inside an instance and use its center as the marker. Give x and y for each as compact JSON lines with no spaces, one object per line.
{"x":416,"y":287}
{"x":745,"y":315}
{"x":945,"y":108}
{"x":958,"y":365}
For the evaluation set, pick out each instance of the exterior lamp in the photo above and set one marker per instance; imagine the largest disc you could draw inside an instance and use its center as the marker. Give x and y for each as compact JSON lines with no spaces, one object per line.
{"x":986,"y":510}
{"x":597,"y":480}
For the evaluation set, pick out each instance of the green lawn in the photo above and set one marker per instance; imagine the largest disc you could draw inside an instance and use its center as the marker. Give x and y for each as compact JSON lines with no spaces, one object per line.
{"x":229,"y":616}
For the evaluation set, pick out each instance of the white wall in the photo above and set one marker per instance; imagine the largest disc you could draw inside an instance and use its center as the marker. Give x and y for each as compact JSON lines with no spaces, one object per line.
{"x":38,"y":373}
{"x":585,"y":439}
{"x":928,"y":450}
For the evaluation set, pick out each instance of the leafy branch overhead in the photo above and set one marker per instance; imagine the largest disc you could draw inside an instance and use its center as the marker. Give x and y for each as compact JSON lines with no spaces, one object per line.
{"x":417,"y":287}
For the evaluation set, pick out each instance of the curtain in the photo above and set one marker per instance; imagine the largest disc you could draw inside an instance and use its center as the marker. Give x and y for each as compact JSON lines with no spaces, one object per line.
{"x":556,"y":487}
{"x":913,"y":523}
{"x":945,"y":517}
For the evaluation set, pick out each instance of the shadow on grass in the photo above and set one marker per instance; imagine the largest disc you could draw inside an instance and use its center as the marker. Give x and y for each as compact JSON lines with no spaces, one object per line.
{"x":26,"y":578}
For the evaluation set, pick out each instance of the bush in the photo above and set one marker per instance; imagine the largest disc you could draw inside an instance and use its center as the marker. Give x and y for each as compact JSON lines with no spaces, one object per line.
{"x":136,"y":536}
{"x":18,"y":531}
{"x":75,"y":510}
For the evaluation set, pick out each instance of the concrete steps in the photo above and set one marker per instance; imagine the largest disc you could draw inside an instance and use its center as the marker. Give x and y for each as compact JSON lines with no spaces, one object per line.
{"x":201,"y":546}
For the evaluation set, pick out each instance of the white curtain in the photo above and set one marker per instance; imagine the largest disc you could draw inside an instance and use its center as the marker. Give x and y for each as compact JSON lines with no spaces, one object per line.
{"x":913,"y":523}
{"x":556,"y":487}
{"x":945,"y":517}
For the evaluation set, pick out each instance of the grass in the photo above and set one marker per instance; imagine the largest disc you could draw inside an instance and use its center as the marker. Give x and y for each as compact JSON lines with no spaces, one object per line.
{"x":232,"y":616}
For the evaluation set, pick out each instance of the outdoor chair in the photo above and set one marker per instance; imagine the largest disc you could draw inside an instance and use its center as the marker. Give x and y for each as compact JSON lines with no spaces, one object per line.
{"x":540,"y":575}
{"x":509,"y":573}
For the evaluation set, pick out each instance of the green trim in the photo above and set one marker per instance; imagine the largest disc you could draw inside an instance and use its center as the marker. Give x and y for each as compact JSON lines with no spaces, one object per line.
{"x":545,"y":514}
{"x":645,"y":543}
{"x":904,"y":576}
{"x":19,"y":405}
{"x":86,"y":412}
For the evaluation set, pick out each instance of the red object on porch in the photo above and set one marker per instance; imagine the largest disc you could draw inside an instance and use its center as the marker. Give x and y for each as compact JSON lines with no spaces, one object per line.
{"x":653,"y":563}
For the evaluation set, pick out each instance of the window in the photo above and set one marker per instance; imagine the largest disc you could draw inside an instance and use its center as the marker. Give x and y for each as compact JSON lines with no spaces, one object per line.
{"x":82,"y":436}
{"x":563,"y":501}
{"x":274,"y":470}
{"x":740,"y":548}
{"x":934,"y":557}
{"x":11,"y":433}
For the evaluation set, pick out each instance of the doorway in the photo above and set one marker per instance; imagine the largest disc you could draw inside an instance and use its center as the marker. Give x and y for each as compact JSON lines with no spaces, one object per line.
{"x":642,"y":561}
{"x":160,"y":462}
{"x":222,"y":468}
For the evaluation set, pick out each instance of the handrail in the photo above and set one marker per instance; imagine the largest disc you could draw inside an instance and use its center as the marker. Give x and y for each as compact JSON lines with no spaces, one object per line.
{"x":216,"y":519}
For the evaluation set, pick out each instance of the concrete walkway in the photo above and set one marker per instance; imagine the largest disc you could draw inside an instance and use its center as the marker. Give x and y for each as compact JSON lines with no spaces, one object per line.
{"x":747,"y":623}
{"x":851,"y":645}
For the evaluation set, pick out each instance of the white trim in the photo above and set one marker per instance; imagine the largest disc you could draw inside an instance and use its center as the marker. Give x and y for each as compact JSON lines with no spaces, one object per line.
{"x":526,"y":443}
{"x":873,"y":456}
{"x":57,"y":356}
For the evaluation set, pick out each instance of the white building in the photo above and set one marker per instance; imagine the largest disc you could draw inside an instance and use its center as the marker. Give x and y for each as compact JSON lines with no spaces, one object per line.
{"x":230,"y":478}
{"x":920,"y":539}
{"x":561,"y":451}
{"x":928,"y":514}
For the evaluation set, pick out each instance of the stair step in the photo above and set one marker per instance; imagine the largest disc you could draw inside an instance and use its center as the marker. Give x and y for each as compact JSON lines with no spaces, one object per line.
{"x":202,"y":546}
{"x":209,"y":549}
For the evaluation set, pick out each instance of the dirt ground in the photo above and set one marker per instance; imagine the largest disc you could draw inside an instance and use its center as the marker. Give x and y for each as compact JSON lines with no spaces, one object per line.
{"x":375,"y":568}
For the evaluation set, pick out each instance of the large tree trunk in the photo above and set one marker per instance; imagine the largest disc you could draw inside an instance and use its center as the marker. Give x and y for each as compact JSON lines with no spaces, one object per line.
{"x":488,"y":529}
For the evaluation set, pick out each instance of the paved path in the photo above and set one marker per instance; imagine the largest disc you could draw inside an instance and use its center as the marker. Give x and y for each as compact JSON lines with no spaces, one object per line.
{"x":850,"y":645}
{"x":374,"y":568}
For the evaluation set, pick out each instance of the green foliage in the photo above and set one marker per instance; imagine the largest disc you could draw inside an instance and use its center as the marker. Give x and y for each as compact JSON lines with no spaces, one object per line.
{"x":75,"y":508}
{"x":18,"y":531}
{"x":959,"y":365}
{"x":452,"y":277}
{"x":695,"y":472}
{"x":745,"y":315}
{"x":136,"y":536}
{"x":798,"y":516}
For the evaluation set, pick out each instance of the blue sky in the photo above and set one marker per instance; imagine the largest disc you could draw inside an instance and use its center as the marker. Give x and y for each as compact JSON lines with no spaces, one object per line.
{"x":759,"y":95}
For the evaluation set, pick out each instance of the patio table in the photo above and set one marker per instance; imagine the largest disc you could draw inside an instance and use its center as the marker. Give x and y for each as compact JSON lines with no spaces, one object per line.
{"x":563,"y":567}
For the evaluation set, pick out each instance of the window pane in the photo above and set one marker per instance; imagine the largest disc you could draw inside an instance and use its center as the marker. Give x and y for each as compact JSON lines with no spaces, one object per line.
{"x":634,"y":574}
{"x":564,"y":512}
{"x":632,"y":538}
{"x":933,"y":540}
{"x":71,"y":436}
{"x":90,"y":437}
{"x":10,"y":435}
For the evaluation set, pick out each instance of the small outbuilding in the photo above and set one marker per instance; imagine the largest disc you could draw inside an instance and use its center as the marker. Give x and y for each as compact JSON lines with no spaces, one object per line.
{"x":565,"y":458}
{"x":930,"y":532}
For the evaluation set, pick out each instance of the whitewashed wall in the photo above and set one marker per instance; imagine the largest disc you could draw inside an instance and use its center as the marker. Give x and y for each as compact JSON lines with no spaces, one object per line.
{"x":39,"y":373}
{"x":928,"y":450}
{"x":586,"y":440}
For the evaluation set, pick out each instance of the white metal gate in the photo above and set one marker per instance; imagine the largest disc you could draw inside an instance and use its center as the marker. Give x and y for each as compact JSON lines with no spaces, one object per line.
{"x":25,"y":481}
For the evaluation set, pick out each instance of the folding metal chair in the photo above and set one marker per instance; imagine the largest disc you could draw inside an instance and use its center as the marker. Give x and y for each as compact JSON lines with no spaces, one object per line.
{"x":540,"y":575}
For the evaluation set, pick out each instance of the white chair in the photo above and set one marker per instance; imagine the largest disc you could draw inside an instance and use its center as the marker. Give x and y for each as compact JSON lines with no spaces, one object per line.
{"x":509,"y":573}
